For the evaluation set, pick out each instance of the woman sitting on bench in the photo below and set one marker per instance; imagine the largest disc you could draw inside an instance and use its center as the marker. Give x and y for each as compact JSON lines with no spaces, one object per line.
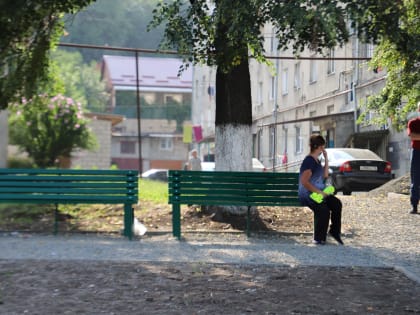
{"x":314,"y":195}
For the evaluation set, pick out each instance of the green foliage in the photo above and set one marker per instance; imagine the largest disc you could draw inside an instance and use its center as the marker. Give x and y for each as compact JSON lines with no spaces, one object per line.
{"x":20,"y":162}
{"x":400,"y":57}
{"x":48,"y":128}
{"x":81,"y":81}
{"x":113,"y":23}
{"x":226,"y":32}
{"x":28,"y":29}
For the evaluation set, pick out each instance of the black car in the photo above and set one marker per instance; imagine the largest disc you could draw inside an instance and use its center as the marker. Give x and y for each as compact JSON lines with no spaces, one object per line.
{"x":357,"y":169}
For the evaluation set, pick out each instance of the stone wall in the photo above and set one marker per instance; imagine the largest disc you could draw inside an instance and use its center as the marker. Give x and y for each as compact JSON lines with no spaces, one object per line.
{"x":100,"y":158}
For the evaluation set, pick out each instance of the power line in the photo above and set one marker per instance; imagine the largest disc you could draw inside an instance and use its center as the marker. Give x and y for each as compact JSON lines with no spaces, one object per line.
{"x":173,"y":52}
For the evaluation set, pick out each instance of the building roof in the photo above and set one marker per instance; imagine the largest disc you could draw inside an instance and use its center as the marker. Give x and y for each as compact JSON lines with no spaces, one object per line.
{"x":114,"y":119}
{"x":155,"y":74}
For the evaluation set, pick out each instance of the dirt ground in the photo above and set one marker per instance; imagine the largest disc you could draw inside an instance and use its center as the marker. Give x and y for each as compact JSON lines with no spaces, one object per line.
{"x":81,"y":287}
{"x":93,"y":287}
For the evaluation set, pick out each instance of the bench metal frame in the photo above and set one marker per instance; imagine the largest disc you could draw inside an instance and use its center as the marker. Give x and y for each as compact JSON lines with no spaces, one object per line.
{"x":64,"y":186}
{"x":230,"y":189}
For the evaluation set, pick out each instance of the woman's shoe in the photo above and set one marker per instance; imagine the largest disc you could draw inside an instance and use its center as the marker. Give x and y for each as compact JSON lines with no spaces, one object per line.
{"x":337,"y":238}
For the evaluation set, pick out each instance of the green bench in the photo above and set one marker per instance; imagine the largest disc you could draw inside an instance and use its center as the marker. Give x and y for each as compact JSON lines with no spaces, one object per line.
{"x":64,"y":186}
{"x":230,"y":189}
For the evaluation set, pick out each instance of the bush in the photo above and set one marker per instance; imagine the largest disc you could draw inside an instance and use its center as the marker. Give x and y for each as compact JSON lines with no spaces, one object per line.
{"x":49,"y":128}
{"x":20,"y":162}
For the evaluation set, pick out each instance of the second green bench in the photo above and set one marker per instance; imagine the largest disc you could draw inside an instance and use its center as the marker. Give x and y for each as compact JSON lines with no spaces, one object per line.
{"x":230,"y":189}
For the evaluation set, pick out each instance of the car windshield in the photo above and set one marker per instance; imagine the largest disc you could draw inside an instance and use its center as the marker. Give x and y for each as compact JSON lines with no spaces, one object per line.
{"x":352,"y":154}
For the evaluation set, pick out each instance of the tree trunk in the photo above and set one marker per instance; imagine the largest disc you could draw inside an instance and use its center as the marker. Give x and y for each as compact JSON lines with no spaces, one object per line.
{"x":233,"y":119}
{"x":233,"y":124}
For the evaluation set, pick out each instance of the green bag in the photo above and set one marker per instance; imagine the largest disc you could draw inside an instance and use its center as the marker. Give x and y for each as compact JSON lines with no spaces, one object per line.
{"x":318,"y":198}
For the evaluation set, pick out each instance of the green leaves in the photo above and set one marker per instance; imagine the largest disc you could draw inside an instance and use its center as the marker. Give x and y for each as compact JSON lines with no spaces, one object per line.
{"x":398,"y":53}
{"x":226,"y":32}
{"x":49,"y":127}
{"x":28,"y":29}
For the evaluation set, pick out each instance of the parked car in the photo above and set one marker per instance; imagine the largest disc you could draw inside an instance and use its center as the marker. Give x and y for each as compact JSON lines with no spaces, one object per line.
{"x":357,"y":169}
{"x":156,"y":174}
{"x":257,"y":166}
{"x":208,"y":166}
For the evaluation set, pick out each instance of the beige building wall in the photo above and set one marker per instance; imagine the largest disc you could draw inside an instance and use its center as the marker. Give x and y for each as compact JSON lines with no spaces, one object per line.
{"x":100,"y":158}
{"x":161,"y":145}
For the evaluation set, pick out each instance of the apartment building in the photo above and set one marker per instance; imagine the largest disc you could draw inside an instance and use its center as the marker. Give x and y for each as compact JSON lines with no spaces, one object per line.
{"x":295,"y":97}
{"x":152,"y":86}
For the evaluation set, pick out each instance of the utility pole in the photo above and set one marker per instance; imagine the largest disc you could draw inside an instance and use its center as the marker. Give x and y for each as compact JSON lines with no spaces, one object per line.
{"x":140,"y":166}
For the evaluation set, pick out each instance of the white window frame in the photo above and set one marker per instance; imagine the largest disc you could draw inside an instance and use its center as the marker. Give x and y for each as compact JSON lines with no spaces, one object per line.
{"x":127,"y":147}
{"x":331,"y":62}
{"x":272,"y":87}
{"x":298,"y":140}
{"x":260,"y":93}
{"x":296,"y":81}
{"x":284,"y":81}
{"x":313,"y":76}
{"x":166,"y":144}
{"x":369,"y":50}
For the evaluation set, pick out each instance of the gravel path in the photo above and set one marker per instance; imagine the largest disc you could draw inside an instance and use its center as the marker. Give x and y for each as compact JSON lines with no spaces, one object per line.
{"x":382,"y":234}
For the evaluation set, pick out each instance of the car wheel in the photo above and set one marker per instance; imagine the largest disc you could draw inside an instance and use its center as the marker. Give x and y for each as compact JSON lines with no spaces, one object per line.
{"x":346,"y":192}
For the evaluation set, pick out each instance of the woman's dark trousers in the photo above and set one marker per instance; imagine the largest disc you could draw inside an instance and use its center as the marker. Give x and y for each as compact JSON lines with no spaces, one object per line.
{"x":329,"y":208}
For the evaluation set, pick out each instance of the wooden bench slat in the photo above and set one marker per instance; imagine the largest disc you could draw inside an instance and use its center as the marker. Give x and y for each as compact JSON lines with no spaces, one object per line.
{"x":67,"y":171}
{"x":99,"y":185}
{"x":230,"y":174}
{"x":65,"y":178}
{"x":65,"y":191}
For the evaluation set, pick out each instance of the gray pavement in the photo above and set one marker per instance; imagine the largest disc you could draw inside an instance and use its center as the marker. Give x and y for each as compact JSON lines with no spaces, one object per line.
{"x":292,"y":250}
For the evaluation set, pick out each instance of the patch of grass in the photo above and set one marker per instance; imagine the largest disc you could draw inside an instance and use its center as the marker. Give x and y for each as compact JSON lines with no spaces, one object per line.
{"x":23,"y":211}
{"x":153,"y":191}
{"x":23,"y":215}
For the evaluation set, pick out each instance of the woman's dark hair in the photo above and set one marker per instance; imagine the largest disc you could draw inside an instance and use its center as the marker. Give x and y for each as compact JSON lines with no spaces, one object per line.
{"x":316,"y":141}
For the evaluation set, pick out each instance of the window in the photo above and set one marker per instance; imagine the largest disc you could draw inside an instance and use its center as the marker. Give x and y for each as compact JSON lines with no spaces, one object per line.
{"x":120,"y":129}
{"x":330,"y":109}
{"x":128,"y":147}
{"x":286,"y":135}
{"x":260,"y":93}
{"x":298,"y":141}
{"x":296,"y":83}
{"x":271,"y":141}
{"x":273,"y":43}
{"x":350,"y":94}
{"x":260,"y":141}
{"x":369,"y":50}
{"x":284,"y":81}
{"x":172,"y":98}
{"x":166,"y":144}
{"x":351,"y":27}
{"x":312,"y":71}
{"x":331,"y":62}
{"x":169,"y":99}
{"x":272,"y":88}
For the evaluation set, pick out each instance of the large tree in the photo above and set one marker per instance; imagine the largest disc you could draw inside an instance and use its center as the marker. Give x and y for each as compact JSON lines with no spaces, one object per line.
{"x":28,"y":29}
{"x":226,"y":33}
{"x":398,"y":54}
